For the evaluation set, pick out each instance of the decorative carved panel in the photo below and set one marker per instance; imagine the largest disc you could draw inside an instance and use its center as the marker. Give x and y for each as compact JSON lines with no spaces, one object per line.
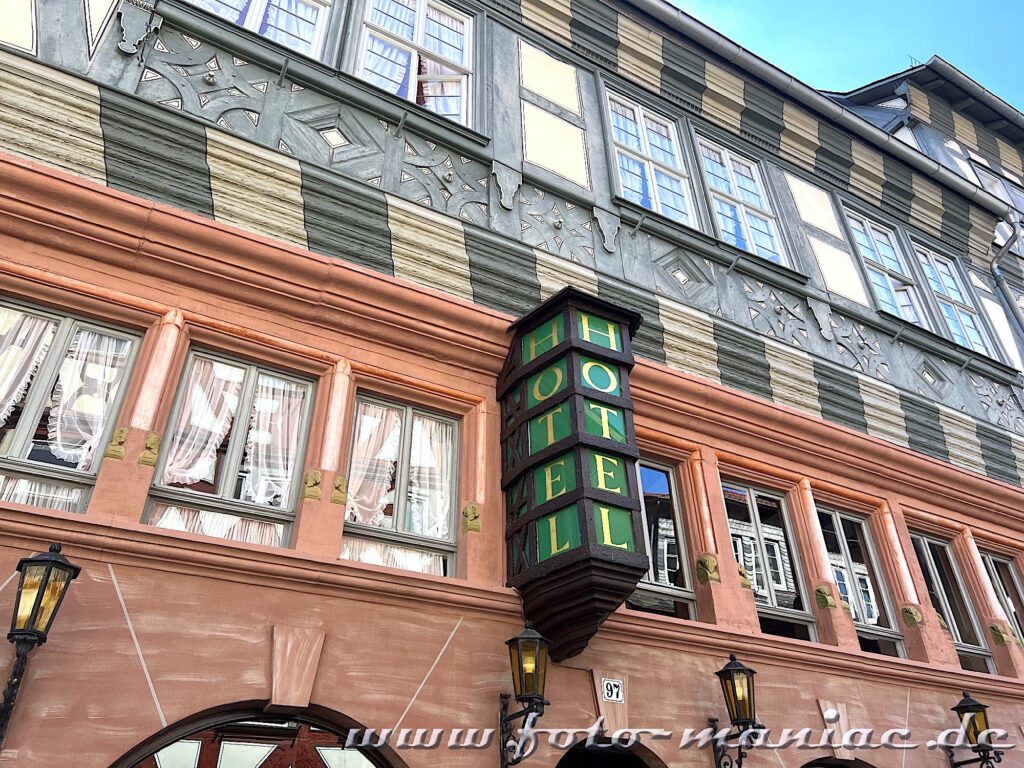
{"x":556,"y":225}
{"x":446,"y":180}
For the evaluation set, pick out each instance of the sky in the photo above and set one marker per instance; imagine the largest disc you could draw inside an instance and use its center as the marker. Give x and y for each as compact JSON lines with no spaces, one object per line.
{"x":838,"y":46}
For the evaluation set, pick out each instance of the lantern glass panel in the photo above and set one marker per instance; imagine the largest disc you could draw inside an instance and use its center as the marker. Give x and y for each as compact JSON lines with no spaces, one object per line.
{"x":31,"y":582}
{"x":517,"y":677}
{"x":977,"y":723}
{"x":53,"y":592}
{"x":530,"y":654}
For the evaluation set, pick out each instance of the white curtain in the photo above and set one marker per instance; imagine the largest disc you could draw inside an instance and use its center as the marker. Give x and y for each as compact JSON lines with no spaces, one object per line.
{"x":204,"y":419}
{"x":272,"y":443}
{"x":40,"y":493}
{"x":391,"y":556}
{"x":372,"y":474}
{"x":291,"y":22}
{"x":387,"y":66}
{"x":24,"y":341}
{"x":216,"y":524}
{"x":429,"y":501}
{"x":81,"y":404}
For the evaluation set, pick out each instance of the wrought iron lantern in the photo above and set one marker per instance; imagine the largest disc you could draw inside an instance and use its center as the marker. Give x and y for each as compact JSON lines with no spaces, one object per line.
{"x":42,"y":584}
{"x":528,"y":656}
{"x":737,"y":682}
{"x":973,"y":717}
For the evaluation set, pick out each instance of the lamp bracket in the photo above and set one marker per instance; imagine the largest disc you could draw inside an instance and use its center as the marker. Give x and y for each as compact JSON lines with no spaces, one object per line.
{"x":508,"y":748}
{"x":987,"y":758}
{"x":722,"y":746}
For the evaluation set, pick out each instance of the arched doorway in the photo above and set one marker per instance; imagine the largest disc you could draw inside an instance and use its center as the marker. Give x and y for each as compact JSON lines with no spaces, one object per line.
{"x":609,"y":757}
{"x":250,"y":739}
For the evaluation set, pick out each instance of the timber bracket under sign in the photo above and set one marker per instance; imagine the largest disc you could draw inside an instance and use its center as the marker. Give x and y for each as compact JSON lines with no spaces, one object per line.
{"x":573,"y":524}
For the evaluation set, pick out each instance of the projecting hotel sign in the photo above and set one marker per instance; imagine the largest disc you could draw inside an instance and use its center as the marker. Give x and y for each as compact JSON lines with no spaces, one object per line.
{"x":573,"y":527}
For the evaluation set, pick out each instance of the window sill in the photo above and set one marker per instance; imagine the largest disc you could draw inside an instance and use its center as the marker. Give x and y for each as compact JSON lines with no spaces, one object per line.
{"x":314,"y":74}
{"x":209,"y":503}
{"x":636,"y":217}
{"x":47,"y":471}
{"x":398,"y":537}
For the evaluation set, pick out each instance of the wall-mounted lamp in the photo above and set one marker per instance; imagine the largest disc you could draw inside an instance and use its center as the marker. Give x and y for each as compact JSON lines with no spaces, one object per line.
{"x":528,"y":654}
{"x":42,"y":585}
{"x":973,"y":718}
{"x":738,"y":690}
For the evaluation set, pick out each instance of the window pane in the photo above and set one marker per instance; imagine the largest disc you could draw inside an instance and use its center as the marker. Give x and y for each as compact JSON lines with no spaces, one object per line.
{"x":387,"y":66}
{"x":217,"y":524}
{"x":949,"y":283}
{"x":954,"y":594}
{"x":443,"y":97}
{"x":393,"y":556}
{"x":714,"y":165}
{"x":272,"y":442}
{"x":744,"y":541}
{"x":203,"y":428}
{"x":232,"y":10}
{"x":887,"y":251}
{"x":953,"y":323}
{"x":883,"y":291}
{"x":374,"y":467}
{"x":292,"y":23}
{"x":24,"y":341}
{"x":970,"y":323}
{"x":864,"y":243}
{"x":396,"y":16}
{"x":635,"y":184}
{"x":624,"y":126}
{"x":40,"y":493}
{"x":773,"y":528}
{"x":671,"y":196}
{"x":445,"y":35}
{"x":930,"y":273}
{"x":80,"y":406}
{"x":664,"y":605}
{"x":659,"y":138}
{"x":663,"y":544}
{"x":728,"y":216}
{"x":430,"y":498}
{"x":749,"y":190}
{"x":764,"y":238}
{"x":1013,"y":602}
{"x":907,"y":305}
{"x":865,"y":577}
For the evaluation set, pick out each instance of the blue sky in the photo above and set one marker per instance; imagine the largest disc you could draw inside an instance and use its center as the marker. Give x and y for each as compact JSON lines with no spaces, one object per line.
{"x":839,"y":45}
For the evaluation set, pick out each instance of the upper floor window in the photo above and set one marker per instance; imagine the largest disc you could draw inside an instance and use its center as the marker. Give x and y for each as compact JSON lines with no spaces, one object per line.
{"x":666,"y":587}
{"x":763,"y":549}
{"x":402,"y":488}
{"x":419,"y":50}
{"x":740,"y":203}
{"x":857,"y":577}
{"x":949,"y":598}
{"x":649,"y":161}
{"x":296,"y":24}
{"x":61,"y":384}
{"x":889,"y":274}
{"x":231,"y":466}
{"x":954,"y":302}
{"x":1008,"y":589}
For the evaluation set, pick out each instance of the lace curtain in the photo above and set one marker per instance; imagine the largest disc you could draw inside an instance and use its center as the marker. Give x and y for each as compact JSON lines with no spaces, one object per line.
{"x":81,"y":403}
{"x":40,"y":493}
{"x":429,"y":498}
{"x":204,"y":420}
{"x":371,"y":482}
{"x":292,"y":23}
{"x":217,"y":524}
{"x":24,"y":341}
{"x":272,"y":442}
{"x":392,"y":556}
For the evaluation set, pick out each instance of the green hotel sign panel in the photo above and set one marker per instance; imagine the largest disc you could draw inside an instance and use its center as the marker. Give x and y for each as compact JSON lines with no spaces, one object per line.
{"x":569,"y":453}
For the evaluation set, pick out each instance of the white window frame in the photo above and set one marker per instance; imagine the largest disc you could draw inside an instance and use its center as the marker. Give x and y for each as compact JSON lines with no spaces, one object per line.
{"x":772,"y":609}
{"x":257,"y":11}
{"x":932,"y":259}
{"x":223,"y":500}
{"x":1016,"y":620}
{"x":648,"y":584}
{"x":745,"y":209}
{"x":646,"y":157}
{"x":946,"y":613}
{"x":14,"y":461}
{"x":416,"y":49}
{"x":778,"y":574}
{"x":398,"y":537}
{"x":900,"y":282}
